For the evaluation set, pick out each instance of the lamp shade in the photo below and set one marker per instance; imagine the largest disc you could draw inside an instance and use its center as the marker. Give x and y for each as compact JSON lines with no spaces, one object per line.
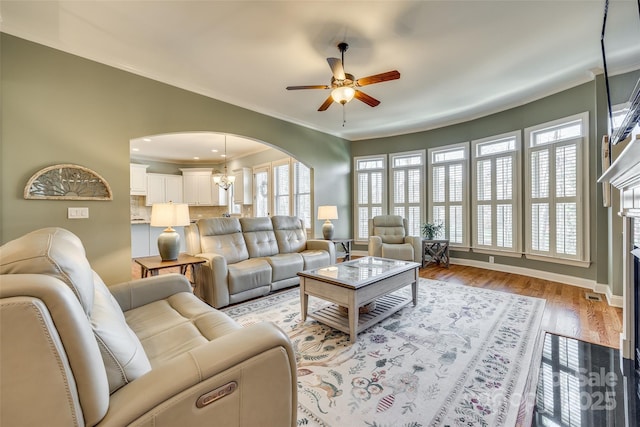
{"x":169,"y":214}
{"x":327,"y":212}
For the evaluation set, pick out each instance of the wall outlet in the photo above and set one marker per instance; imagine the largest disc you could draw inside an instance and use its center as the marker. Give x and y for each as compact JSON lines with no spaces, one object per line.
{"x":491,"y":260}
{"x":77,"y":213}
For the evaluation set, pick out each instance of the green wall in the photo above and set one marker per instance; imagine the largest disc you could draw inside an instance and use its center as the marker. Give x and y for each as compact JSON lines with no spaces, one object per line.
{"x":60,"y":108}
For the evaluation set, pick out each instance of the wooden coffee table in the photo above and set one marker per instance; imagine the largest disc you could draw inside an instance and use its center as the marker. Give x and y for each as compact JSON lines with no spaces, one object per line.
{"x":354,"y":284}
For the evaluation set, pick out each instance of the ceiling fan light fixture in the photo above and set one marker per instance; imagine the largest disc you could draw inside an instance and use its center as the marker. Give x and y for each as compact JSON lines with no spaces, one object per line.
{"x":343,"y":94}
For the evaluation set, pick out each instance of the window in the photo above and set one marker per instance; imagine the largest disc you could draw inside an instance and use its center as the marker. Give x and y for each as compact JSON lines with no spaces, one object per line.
{"x":495,"y":201}
{"x":288,"y":194}
{"x":369,"y":193}
{"x":407,"y":177}
{"x":556,"y":213}
{"x":281,"y":193}
{"x":302,"y":193}
{"x":448,"y":191}
{"x":261,"y":191}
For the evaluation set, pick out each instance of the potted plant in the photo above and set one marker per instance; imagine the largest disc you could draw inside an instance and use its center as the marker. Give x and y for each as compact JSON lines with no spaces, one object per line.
{"x":430,"y":230}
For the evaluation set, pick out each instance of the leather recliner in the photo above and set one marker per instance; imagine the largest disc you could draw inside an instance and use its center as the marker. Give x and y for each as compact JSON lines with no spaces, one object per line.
{"x":389,"y":238}
{"x":74,"y":352}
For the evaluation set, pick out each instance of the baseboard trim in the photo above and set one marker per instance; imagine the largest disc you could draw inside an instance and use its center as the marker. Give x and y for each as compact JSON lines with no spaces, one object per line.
{"x":601,"y":288}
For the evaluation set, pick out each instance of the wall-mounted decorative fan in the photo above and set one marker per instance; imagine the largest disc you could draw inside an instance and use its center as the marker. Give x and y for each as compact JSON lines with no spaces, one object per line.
{"x":345,"y":86}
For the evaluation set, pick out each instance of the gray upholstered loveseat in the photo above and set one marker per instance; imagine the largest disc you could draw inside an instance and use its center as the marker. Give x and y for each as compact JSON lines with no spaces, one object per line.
{"x":250,"y":257}
{"x":74,"y":352}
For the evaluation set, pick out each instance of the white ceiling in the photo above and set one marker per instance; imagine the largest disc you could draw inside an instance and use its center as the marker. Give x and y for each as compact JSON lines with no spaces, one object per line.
{"x":458,"y":59}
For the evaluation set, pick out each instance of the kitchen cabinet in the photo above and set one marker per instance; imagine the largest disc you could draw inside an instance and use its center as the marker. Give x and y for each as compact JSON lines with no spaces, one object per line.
{"x":163,"y":188}
{"x":243,"y":187}
{"x":198,"y":186}
{"x":139,"y":240}
{"x":138,"y":179}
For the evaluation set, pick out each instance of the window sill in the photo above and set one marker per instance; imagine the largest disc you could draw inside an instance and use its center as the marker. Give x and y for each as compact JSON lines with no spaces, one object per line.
{"x":572,"y":262}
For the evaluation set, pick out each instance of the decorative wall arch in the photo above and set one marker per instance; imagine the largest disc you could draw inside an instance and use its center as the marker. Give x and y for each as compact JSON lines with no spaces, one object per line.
{"x":67,"y":182}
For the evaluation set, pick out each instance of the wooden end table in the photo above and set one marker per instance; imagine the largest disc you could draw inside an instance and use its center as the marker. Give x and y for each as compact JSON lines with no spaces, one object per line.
{"x":346,"y":247}
{"x":153,"y":264}
{"x":435,"y":252}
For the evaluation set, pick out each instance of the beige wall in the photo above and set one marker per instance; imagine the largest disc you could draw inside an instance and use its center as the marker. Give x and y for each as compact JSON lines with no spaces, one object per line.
{"x":59,"y":108}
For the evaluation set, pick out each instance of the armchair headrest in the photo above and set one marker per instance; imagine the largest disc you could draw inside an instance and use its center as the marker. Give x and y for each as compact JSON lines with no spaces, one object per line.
{"x":55,"y":252}
{"x":388,"y":221}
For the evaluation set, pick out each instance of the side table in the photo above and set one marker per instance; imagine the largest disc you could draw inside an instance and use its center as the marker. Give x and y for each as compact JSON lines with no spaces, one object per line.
{"x":346,"y":247}
{"x":153,"y":264}
{"x":435,"y":252}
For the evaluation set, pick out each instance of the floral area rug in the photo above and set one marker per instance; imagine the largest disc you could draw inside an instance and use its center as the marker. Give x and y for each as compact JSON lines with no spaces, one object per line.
{"x":461,"y":357}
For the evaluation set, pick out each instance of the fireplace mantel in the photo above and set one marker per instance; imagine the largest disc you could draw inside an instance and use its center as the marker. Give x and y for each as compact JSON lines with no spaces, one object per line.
{"x":624,"y":174}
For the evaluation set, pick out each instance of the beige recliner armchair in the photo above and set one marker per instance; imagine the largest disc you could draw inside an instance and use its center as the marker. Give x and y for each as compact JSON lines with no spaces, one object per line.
{"x":74,"y":352}
{"x":389,"y":238}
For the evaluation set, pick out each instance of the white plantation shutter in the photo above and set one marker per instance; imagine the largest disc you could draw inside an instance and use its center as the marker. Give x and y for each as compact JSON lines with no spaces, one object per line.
{"x":447,"y":192}
{"x":302,"y":193}
{"x":407,"y":177}
{"x":281,"y":187}
{"x":555,"y":205}
{"x":495,"y":205}
{"x":370,"y":193}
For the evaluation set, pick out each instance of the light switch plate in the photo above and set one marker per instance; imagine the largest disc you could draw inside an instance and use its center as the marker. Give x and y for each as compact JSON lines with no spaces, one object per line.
{"x":77,"y":213}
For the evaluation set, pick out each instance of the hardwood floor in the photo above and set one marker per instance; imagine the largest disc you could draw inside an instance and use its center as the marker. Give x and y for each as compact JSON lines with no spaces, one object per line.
{"x":568,"y":312}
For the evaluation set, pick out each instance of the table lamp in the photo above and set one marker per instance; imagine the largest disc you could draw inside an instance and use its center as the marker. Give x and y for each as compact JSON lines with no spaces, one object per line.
{"x":169,"y":215}
{"x":327,"y":213}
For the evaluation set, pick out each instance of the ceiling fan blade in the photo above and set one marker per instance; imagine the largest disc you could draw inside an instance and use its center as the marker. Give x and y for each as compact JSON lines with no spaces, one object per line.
{"x":308,"y":87}
{"x":327,"y":103}
{"x":378,"y":78}
{"x":370,"y":101}
{"x":336,"y":68}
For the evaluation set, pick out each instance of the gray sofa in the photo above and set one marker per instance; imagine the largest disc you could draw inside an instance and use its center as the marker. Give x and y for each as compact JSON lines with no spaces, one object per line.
{"x":74,"y":352}
{"x":251,"y":257}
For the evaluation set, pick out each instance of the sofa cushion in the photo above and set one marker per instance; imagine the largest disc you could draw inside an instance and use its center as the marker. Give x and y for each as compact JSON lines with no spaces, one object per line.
{"x":249,"y":274}
{"x":59,"y":253}
{"x":402,"y":252}
{"x":176,"y":325}
{"x":259,"y":237}
{"x":315,"y":259}
{"x":290,"y":234}
{"x":285,"y":266}
{"x":223,"y":236}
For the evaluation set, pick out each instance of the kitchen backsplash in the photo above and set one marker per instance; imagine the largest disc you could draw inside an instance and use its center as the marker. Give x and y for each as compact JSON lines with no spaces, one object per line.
{"x":139,"y":211}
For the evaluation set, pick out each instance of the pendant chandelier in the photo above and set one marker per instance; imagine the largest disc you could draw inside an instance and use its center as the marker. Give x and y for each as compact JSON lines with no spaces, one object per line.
{"x":225,"y":180}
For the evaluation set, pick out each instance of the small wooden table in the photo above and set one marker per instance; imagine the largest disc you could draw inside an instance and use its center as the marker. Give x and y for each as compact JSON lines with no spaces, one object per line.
{"x":353,"y":284}
{"x":153,"y":264}
{"x":435,"y":252}
{"x":346,"y":247}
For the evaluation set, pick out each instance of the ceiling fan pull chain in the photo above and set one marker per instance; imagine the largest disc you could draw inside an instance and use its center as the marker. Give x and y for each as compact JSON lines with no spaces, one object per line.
{"x":344,"y":114}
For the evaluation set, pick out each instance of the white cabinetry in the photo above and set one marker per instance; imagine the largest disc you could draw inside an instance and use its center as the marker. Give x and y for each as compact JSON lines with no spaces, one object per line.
{"x":138,"y":179}
{"x":243,"y":187}
{"x":197,"y":184}
{"x":163,"y":188}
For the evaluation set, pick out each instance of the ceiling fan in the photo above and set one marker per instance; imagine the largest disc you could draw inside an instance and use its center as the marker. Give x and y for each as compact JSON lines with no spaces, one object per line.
{"x":345,"y":86}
